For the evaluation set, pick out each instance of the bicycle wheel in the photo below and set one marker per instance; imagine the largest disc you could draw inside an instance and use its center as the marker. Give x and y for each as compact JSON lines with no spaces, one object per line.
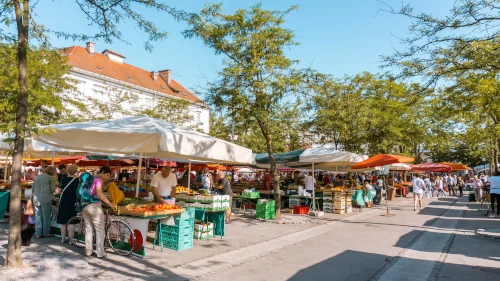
{"x":121,"y":237}
{"x":79,"y":238}
{"x":485,"y":207}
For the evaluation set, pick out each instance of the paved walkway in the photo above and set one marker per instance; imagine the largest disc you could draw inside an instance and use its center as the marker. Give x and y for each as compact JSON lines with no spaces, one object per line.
{"x":436,"y":243}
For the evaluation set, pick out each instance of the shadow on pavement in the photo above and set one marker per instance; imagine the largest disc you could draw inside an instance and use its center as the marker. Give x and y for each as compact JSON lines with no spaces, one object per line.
{"x":356,"y":265}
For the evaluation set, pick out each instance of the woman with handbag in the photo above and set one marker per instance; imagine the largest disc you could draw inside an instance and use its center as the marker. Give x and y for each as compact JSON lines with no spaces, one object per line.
{"x":67,"y":210}
{"x":43,"y":189}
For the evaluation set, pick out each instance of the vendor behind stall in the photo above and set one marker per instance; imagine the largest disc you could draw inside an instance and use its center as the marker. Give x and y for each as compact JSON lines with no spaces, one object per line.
{"x":266,"y":181}
{"x":164,"y":183}
{"x":124,"y":175}
{"x":224,"y":187}
{"x":183,"y":181}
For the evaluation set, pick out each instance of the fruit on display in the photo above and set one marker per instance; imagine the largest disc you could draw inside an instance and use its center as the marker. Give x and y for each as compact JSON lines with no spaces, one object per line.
{"x":181,"y":189}
{"x":155,"y":208}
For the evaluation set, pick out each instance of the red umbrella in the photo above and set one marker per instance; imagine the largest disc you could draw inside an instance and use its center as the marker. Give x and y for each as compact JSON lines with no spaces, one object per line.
{"x":432,"y":167}
{"x":97,"y":163}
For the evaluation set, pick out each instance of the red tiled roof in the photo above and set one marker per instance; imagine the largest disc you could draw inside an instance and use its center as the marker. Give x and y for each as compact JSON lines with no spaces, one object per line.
{"x":79,"y":57}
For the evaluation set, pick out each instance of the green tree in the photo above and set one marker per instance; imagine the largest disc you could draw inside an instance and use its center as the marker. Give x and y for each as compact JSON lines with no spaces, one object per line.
{"x":50,"y":94}
{"x":370,"y":114}
{"x":459,"y":53}
{"x":105,"y":15}
{"x":257,"y":79}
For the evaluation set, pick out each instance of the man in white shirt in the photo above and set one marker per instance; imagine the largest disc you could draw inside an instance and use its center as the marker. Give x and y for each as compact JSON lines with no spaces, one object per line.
{"x":164,"y":183}
{"x":310,"y":182}
{"x":418,"y":191}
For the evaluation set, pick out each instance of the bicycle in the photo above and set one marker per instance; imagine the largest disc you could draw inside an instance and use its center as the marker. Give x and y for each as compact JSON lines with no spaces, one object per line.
{"x":118,"y":233}
{"x":437,"y":191}
{"x":486,"y":202}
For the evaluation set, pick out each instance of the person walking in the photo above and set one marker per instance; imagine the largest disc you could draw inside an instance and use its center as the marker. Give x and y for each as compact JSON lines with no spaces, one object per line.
{"x":43,"y":189}
{"x":418,"y":191}
{"x":67,"y":210}
{"x":428,"y":185}
{"x":478,"y":188}
{"x":461,"y":185}
{"x":93,"y":214}
{"x":451,"y":185}
{"x":495,"y":194}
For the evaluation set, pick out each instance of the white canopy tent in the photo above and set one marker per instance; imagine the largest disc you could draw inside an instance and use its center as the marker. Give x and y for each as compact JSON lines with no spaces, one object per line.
{"x":145,"y":136}
{"x":308,"y":158}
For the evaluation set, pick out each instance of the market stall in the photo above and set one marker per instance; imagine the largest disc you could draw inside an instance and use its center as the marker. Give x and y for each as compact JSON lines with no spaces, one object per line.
{"x":148,"y":137}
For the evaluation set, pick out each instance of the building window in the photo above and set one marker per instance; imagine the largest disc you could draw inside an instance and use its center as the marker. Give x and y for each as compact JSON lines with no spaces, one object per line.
{"x":198,"y":117}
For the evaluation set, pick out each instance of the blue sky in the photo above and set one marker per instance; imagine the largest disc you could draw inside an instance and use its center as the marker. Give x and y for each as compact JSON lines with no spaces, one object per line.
{"x":339,"y":37}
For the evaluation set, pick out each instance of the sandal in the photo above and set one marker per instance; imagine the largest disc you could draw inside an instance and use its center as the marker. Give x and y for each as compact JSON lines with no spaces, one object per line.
{"x":50,"y":235}
{"x":38,"y":237}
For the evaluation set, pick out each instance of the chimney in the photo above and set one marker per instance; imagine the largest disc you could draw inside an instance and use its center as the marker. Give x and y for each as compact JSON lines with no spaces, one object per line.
{"x":90,"y":48}
{"x":166,"y":75}
{"x":154,"y":75}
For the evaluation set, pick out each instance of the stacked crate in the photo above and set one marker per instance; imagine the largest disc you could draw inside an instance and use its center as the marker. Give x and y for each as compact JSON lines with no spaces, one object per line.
{"x":179,"y":236}
{"x":339,"y":202}
{"x":265,"y":209}
{"x":348,"y":202}
{"x":203,"y":231}
{"x":293,"y":202}
{"x":328,"y":202}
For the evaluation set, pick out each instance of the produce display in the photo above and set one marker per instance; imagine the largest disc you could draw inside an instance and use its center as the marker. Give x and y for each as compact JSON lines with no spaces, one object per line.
{"x":182,"y":189}
{"x":155,"y":207}
{"x":129,"y":201}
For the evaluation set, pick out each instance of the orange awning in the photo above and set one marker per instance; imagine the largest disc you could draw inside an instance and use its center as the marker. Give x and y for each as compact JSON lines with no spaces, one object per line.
{"x":382,"y":160}
{"x":456,"y":166}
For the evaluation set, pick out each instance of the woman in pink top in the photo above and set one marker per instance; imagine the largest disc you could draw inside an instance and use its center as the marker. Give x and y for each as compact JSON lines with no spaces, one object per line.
{"x":94,"y":216}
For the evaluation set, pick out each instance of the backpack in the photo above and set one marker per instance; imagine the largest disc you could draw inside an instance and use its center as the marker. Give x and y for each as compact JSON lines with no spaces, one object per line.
{"x":205,"y":181}
{"x":83,"y":192}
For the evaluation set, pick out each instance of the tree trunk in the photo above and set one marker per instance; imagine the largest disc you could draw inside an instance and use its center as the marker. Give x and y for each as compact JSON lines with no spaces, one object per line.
{"x":272,"y":171}
{"x":13,"y":258}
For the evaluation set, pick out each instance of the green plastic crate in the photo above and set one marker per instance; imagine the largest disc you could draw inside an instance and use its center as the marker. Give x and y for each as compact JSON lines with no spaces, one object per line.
{"x":177,"y":238}
{"x":183,"y":222}
{"x":251,"y":195}
{"x":178,"y":246}
{"x":265,"y":206}
{"x":188,"y":213}
{"x":175,"y":229}
{"x":265,"y":215}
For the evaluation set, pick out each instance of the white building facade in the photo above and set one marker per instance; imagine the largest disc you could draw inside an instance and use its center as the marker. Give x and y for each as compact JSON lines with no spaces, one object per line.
{"x":100,"y":75}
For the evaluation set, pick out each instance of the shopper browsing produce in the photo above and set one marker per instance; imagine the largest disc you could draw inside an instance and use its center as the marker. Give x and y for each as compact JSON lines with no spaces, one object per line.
{"x":164,"y":183}
{"x":225,"y":189}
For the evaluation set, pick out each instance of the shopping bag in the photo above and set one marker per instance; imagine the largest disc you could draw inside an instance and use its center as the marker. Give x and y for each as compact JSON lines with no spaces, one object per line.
{"x":30,"y":210}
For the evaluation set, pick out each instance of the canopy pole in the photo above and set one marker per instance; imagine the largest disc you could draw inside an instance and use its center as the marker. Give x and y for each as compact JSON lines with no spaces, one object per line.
{"x":139,"y":178}
{"x":53,"y":156}
{"x":314,"y":190}
{"x":5,"y":170}
{"x":189,"y":176}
